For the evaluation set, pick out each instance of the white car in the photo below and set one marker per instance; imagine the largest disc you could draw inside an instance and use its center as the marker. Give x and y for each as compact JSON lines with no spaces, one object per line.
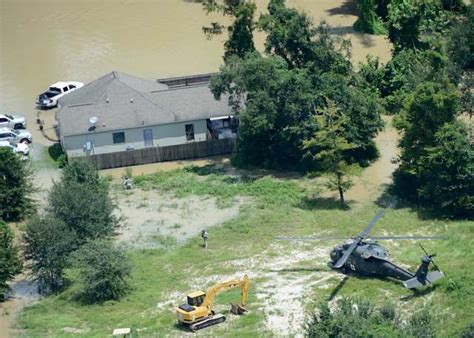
{"x":12,"y":121}
{"x":15,"y":135}
{"x":21,"y":148}
{"x":49,"y":98}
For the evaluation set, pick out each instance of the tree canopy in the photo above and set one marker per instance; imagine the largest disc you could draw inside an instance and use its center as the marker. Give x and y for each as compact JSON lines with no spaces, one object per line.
{"x":10,"y":263}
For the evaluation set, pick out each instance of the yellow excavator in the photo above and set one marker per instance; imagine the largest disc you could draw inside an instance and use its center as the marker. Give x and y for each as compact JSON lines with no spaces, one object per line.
{"x":197,"y":313}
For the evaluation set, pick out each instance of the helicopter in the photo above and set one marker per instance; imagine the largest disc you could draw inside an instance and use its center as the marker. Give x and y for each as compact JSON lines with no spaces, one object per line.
{"x":363,"y":256}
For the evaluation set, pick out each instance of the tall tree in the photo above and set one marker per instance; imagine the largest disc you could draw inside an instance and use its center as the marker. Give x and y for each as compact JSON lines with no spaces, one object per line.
{"x":15,"y":186}
{"x":426,"y":110}
{"x":447,"y":172}
{"x":10,"y":263}
{"x":240,"y":31}
{"x":48,"y":243}
{"x":327,"y":147}
{"x":369,"y":21}
{"x":82,"y":202}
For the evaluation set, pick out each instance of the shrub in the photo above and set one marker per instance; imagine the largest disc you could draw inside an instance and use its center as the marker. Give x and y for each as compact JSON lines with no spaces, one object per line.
{"x":10,"y":263}
{"x":102,"y":272}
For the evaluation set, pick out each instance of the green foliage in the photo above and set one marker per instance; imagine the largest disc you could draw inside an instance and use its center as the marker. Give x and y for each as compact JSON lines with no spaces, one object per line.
{"x":81,"y":201}
{"x":460,"y":42}
{"x":447,"y":172}
{"x":292,"y":36}
{"x":327,"y":147}
{"x":278,"y":104}
{"x":15,"y":187}
{"x":48,"y":242}
{"x":10,"y":263}
{"x":369,"y":21}
{"x":354,"y":317}
{"x":103,"y":272}
{"x":240,"y":31}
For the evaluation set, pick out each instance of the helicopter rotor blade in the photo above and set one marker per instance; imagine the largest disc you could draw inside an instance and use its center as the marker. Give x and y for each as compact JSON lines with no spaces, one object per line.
{"x":309,"y":238}
{"x":374,"y":220}
{"x":346,"y":255}
{"x":383,"y":238}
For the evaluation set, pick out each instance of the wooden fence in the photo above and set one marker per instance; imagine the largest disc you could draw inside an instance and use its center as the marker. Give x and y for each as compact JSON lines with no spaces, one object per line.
{"x":161,"y":154}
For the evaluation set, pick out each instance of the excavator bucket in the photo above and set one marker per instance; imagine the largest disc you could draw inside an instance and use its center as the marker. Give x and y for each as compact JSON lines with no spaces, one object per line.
{"x":237,"y":309}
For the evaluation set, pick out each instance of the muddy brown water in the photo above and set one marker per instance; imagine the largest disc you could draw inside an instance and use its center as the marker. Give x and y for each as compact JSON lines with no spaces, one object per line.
{"x":44,"y":41}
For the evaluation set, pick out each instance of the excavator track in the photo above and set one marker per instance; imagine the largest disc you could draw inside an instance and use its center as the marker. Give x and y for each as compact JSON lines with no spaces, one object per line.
{"x":214,"y":320}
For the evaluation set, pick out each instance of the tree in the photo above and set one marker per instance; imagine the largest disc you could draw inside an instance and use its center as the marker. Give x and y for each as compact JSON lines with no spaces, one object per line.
{"x":103,"y":272}
{"x":10,"y":263}
{"x":460,"y":41}
{"x":48,"y":243}
{"x":240,"y":41}
{"x":15,"y":187}
{"x":327,"y":148}
{"x":369,"y":21}
{"x":81,"y":201}
{"x":278,"y":104}
{"x":447,"y":172}
{"x":426,"y":110}
{"x":292,"y":36}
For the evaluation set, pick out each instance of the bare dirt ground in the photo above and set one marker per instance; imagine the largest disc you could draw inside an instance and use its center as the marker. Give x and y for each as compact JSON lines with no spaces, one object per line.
{"x":148,"y":216}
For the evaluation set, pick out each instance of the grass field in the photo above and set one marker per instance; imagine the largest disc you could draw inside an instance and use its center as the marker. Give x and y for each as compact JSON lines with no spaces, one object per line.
{"x":278,"y":207}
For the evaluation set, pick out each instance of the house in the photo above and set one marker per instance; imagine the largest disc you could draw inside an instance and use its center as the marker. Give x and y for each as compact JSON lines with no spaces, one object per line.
{"x":119,"y":112}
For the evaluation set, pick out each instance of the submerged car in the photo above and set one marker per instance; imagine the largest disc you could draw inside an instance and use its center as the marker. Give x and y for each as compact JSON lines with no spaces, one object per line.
{"x":21,"y":148}
{"x":49,"y":98}
{"x":15,"y":135}
{"x":12,"y":121}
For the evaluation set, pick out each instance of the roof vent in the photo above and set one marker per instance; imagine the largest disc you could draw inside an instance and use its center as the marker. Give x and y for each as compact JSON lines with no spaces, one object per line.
{"x":107,"y":99}
{"x":131,"y":100}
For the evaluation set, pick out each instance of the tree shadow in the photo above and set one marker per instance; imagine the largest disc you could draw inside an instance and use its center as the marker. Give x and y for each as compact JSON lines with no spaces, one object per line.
{"x":340,"y":30}
{"x":290,"y":270}
{"x":323,"y":203}
{"x":348,"y":7}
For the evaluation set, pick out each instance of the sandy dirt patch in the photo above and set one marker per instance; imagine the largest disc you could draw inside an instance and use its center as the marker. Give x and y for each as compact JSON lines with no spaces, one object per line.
{"x":284,"y":290}
{"x":150,"y":215}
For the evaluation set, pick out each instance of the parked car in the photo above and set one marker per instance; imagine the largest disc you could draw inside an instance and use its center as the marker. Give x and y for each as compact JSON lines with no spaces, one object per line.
{"x":12,"y":121}
{"x":15,"y":135}
{"x":49,"y":98}
{"x":21,"y":148}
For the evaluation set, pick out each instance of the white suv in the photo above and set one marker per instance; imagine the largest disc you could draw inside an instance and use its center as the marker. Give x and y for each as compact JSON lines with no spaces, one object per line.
{"x":12,"y":121}
{"x":15,"y":135}
{"x":16,"y":148}
{"x":49,"y":98}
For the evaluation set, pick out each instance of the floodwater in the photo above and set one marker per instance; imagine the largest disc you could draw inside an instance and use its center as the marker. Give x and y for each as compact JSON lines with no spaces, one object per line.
{"x":44,"y":41}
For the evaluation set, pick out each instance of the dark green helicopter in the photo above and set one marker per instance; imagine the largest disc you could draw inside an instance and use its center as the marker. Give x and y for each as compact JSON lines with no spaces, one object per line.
{"x":363,"y":256}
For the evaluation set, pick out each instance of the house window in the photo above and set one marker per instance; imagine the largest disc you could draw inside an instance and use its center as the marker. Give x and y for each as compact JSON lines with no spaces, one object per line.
{"x":119,"y":137}
{"x":189,"y":128}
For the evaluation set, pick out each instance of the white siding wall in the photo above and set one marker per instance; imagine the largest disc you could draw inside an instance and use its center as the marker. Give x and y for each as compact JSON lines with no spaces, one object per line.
{"x":163,"y":135}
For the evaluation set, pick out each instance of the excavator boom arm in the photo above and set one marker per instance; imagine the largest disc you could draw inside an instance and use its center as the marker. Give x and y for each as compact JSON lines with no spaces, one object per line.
{"x":224,"y":286}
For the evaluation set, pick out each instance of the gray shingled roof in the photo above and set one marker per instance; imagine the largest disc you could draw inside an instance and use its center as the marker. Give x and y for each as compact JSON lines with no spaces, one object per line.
{"x":109,"y":98}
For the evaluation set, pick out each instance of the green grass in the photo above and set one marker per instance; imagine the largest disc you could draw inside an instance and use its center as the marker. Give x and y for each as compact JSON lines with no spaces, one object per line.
{"x":279,"y":207}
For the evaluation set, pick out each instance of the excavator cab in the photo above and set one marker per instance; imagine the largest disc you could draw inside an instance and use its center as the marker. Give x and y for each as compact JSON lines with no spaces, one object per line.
{"x":196,"y":298}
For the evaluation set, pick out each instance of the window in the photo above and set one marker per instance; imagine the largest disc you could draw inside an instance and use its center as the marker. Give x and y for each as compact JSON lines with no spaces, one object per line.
{"x":72,"y":87}
{"x":119,"y":137}
{"x":3,"y":120}
{"x":65,"y":89}
{"x":189,"y":129}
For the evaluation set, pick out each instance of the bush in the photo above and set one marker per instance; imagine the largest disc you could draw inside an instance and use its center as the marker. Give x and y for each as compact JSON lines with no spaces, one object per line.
{"x":10,"y":263}
{"x":360,"y":318}
{"x":102,"y":272}
{"x":15,"y":187}
{"x":48,"y":243}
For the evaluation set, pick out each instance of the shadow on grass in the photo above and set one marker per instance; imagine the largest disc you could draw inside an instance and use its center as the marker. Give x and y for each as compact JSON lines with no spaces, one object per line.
{"x":338,"y":288}
{"x":419,"y":293}
{"x":323,"y":203}
{"x":290,"y":270}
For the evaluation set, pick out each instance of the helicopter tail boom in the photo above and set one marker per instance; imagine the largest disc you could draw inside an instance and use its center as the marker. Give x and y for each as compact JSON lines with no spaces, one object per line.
{"x":430,"y":278}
